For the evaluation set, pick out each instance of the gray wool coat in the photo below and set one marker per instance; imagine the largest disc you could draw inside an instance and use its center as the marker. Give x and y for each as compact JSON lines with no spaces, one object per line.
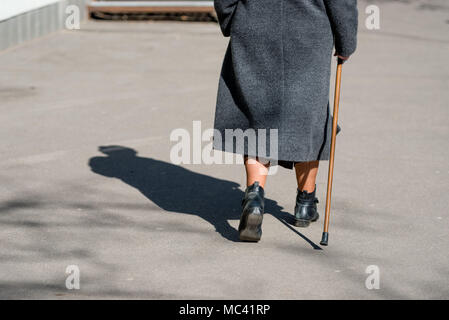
{"x":276,"y":72}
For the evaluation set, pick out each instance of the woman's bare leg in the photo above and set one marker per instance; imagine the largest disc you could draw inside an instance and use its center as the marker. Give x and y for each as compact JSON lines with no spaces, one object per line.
{"x":256,"y":171}
{"x":306,"y":175}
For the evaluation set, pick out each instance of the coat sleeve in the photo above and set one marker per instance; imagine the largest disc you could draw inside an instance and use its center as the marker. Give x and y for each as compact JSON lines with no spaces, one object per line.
{"x":225,"y":10}
{"x":343,"y":17}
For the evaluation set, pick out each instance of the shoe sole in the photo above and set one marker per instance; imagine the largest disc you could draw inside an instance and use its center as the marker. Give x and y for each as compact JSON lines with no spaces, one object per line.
{"x":252,"y":231}
{"x":302,"y":223}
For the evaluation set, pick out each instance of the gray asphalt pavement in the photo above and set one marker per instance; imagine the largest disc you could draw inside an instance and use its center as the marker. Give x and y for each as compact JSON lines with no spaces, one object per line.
{"x":139,"y":226}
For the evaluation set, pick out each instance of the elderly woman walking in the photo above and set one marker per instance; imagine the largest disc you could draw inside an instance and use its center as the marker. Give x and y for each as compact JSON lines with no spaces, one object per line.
{"x":275,"y":76}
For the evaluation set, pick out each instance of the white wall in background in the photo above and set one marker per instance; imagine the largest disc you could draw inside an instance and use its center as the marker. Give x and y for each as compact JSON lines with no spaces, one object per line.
{"x":11,"y":8}
{"x":23,"y":20}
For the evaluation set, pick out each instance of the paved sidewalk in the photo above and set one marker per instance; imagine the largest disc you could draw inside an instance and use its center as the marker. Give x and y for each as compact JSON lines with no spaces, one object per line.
{"x":139,"y":226}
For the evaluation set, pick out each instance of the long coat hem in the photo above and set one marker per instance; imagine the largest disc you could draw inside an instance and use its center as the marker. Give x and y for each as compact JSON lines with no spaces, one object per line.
{"x":287,"y":162}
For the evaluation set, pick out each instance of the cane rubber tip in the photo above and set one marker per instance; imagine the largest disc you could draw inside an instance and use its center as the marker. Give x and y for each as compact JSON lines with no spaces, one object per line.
{"x":324,"y":239}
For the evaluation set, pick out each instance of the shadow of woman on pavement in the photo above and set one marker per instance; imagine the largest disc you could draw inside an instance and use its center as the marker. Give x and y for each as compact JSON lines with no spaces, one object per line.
{"x":176,"y":189}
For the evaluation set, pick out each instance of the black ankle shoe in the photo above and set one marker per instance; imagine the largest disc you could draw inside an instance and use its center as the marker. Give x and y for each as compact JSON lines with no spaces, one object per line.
{"x":250,"y":227}
{"x":305,"y":209}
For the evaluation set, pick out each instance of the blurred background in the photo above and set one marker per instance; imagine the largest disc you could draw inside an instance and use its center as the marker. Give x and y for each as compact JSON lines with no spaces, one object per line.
{"x":22,"y":20}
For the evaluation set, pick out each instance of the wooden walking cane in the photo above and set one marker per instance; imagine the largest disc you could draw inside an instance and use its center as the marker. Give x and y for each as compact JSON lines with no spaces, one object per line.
{"x":325,"y":236}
